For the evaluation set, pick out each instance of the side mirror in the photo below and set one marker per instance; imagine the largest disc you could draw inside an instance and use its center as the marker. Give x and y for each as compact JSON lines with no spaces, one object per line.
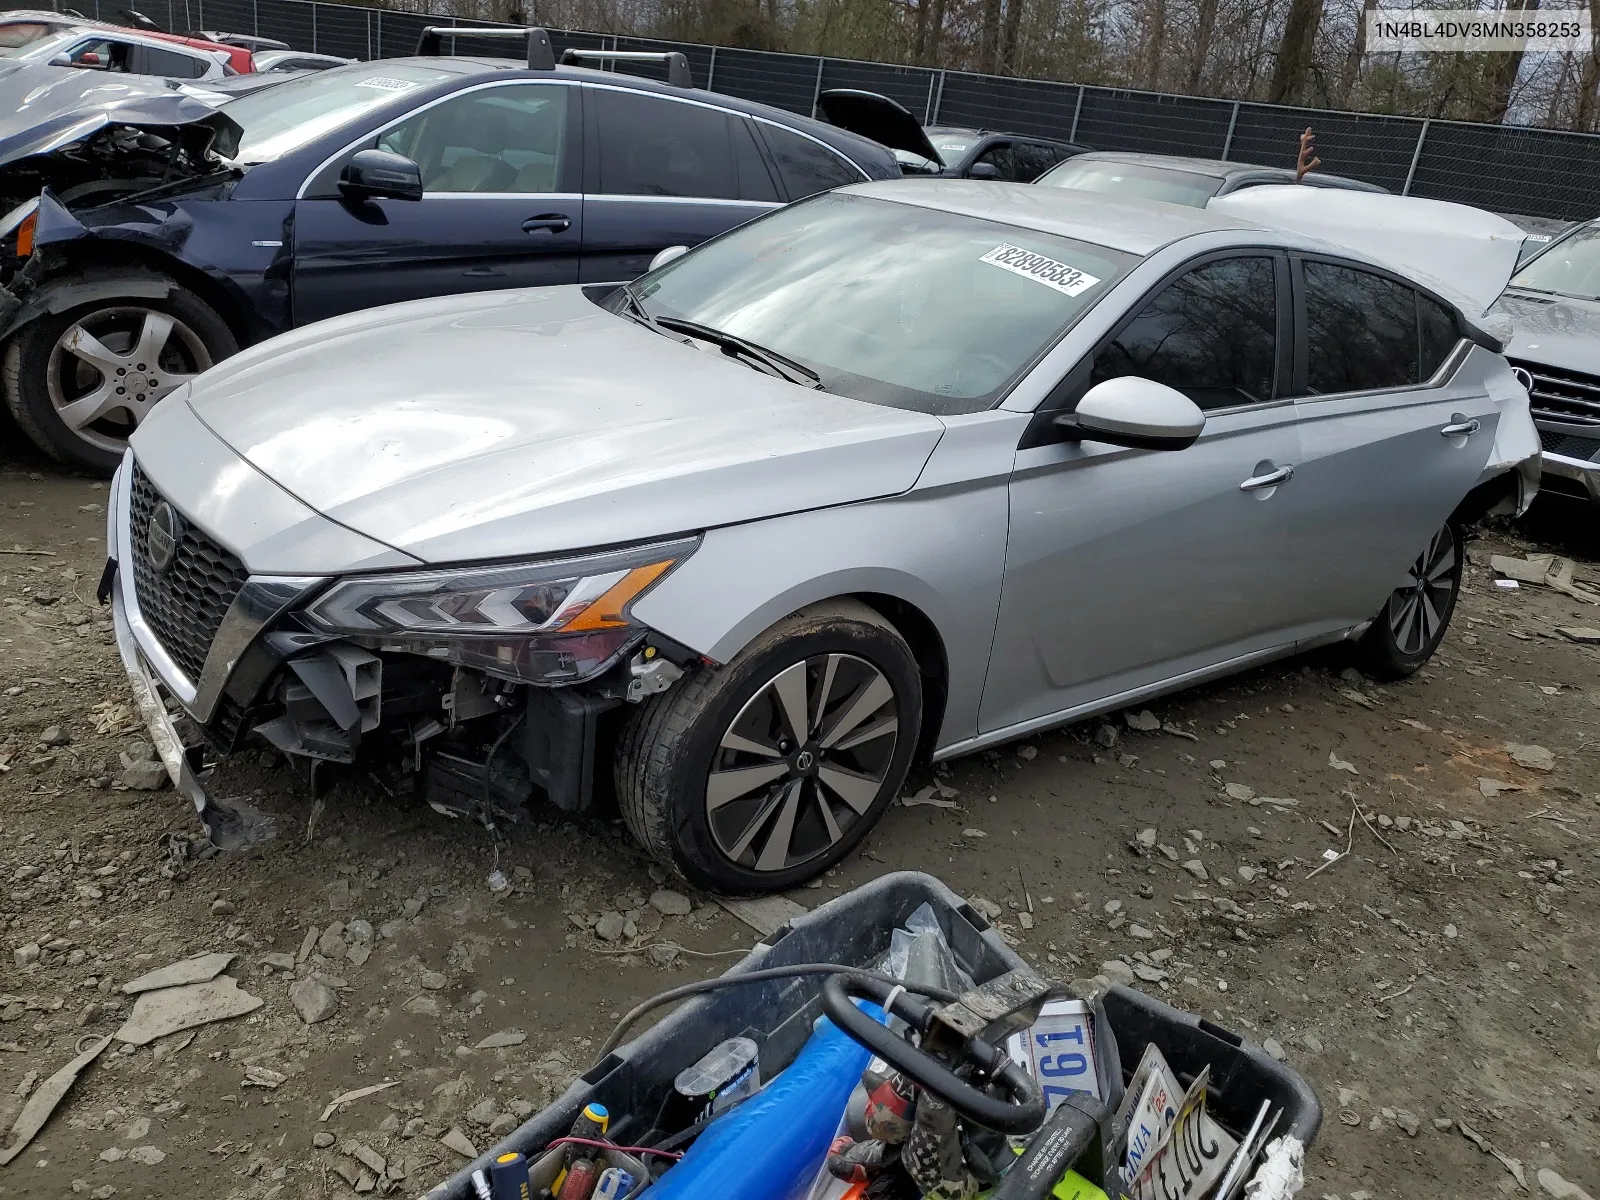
{"x":667,"y":255}
{"x":372,"y":174}
{"x":983,"y":170}
{"x":1136,"y":412}
{"x":62,"y":60}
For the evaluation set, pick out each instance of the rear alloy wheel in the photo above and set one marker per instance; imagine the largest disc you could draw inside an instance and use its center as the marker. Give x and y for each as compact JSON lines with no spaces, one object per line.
{"x":760,"y":774}
{"x":79,"y":383}
{"x":1413,"y":623}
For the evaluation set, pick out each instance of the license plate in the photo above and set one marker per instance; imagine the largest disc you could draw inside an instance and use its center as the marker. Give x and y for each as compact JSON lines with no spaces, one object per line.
{"x":1059,"y":1051}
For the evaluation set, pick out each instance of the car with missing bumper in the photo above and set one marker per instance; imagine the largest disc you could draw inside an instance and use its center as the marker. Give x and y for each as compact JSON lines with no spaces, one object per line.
{"x":896,"y":473}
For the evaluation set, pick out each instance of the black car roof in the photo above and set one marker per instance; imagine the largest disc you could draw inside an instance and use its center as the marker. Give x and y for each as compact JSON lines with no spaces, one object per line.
{"x":853,"y":145}
{"x":1010,"y":133}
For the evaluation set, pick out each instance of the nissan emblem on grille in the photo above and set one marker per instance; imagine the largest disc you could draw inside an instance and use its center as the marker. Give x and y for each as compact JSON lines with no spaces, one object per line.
{"x":166,"y":531}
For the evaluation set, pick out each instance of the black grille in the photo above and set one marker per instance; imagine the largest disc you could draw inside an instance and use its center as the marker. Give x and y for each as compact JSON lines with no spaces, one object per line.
{"x":1568,"y":445}
{"x":1568,"y":397}
{"x":183,"y":605}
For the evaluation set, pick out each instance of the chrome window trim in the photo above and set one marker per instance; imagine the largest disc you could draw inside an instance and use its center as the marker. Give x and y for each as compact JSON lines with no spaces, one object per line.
{"x":305,"y":183}
{"x":574,"y":196}
{"x":613,"y":197}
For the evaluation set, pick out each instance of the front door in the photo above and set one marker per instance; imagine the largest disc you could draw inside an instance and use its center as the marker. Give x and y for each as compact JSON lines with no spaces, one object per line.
{"x":501,"y":206}
{"x":1125,"y":568}
{"x":1395,"y":429}
{"x":664,"y":172}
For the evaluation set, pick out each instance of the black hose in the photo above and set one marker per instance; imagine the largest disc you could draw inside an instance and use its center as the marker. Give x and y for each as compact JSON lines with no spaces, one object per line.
{"x":686,"y":990}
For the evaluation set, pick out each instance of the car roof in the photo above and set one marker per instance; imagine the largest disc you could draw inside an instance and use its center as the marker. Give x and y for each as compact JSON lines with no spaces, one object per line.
{"x":1133,"y":226}
{"x":1216,"y":168}
{"x":23,"y":15}
{"x":1010,"y":133}
{"x":854,"y":145}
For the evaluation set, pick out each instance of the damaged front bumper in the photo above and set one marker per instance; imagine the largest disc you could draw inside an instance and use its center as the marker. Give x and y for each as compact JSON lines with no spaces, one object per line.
{"x":470,"y":742}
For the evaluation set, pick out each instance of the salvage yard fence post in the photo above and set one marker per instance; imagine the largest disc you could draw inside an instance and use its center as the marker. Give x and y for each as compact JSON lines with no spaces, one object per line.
{"x":1503,"y":168}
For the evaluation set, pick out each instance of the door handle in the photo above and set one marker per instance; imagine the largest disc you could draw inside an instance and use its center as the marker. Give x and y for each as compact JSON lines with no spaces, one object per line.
{"x":1461,"y":428}
{"x":1271,"y":479}
{"x":554,"y":222}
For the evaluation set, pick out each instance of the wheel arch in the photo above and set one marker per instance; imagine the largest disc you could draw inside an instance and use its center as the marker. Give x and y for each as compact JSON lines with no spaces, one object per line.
{"x":95,"y":269}
{"x":905,"y":602}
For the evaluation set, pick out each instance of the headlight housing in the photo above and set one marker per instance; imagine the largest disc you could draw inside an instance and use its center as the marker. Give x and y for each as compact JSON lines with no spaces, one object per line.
{"x":553,"y":622}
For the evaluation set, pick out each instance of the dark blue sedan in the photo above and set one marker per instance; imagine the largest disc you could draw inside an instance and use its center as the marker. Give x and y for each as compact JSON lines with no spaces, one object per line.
{"x":163,"y":244}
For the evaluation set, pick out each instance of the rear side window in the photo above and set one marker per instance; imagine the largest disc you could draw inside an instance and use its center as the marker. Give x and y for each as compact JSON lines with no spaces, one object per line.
{"x":1211,"y":334}
{"x":755,"y":180}
{"x":807,"y":167}
{"x":1439,"y":334}
{"x":1361,"y":330}
{"x":650,"y":146}
{"x":147,"y":60}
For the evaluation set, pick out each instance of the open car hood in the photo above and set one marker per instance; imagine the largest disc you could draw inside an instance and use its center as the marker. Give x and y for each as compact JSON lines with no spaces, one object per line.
{"x":878,"y":118}
{"x":1463,"y":252}
{"x":199,"y":128}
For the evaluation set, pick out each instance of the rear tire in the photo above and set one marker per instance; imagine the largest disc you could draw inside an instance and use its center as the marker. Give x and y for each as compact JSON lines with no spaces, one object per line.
{"x":848,"y":677}
{"x":62,"y":371}
{"x":1413,"y":622}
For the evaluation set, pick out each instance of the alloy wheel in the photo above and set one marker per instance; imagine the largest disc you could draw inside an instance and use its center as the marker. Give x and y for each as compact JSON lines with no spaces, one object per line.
{"x":107,"y":370}
{"x":1419,"y":607}
{"x":804,"y":760}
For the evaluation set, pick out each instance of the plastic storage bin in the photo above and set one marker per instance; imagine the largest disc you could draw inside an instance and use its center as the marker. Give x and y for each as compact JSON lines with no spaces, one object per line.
{"x":854,"y":930}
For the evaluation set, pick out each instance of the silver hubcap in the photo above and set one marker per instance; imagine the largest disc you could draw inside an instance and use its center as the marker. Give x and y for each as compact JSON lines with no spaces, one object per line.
{"x":108,"y":370}
{"x":802,"y":762}
{"x":1418,"y":607}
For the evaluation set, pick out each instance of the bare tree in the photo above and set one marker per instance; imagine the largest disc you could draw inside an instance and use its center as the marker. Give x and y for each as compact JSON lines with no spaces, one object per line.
{"x":1294,"y":51}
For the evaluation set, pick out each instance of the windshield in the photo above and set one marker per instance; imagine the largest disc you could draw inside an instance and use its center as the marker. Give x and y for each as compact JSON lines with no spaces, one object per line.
{"x":952,"y":145}
{"x":890,"y":303}
{"x":1569,"y":267}
{"x":278,"y":120}
{"x":1129,"y":179}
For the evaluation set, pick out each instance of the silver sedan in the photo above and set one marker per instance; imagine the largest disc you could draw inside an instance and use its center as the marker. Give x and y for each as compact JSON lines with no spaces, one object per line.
{"x":891,"y":475}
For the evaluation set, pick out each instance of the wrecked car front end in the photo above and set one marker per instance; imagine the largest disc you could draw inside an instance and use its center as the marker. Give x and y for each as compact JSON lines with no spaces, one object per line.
{"x":470,"y":687}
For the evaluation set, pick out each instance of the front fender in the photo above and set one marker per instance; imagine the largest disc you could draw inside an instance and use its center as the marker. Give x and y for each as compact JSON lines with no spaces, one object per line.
{"x":745,"y":578}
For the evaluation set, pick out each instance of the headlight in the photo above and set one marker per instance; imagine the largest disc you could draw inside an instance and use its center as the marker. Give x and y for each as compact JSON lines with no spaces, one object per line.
{"x":542,"y":623}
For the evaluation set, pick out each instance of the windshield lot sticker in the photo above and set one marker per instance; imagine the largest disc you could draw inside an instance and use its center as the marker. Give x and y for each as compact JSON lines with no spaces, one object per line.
{"x":386,"y":83}
{"x":1067,"y":280}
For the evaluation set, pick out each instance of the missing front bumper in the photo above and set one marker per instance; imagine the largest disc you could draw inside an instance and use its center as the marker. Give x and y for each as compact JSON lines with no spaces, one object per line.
{"x":229,"y":824}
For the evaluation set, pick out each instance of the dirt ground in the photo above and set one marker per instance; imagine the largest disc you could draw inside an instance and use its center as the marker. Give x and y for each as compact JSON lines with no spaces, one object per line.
{"x":1441,"y":978}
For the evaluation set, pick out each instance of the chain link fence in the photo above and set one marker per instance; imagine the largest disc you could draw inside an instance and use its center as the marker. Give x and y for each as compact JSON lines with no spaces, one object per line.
{"x":1532,"y":172}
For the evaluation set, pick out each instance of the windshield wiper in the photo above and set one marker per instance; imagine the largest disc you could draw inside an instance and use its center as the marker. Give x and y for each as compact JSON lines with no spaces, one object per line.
{"x":735,"y":346}
{"x":636,"y":308}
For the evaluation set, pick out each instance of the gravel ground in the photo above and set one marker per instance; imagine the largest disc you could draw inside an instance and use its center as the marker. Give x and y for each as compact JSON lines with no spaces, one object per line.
{"x":1436,"y":984}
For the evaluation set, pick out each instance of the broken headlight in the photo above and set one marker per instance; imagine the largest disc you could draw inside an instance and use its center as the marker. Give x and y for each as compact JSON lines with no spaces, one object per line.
{"x":541,"y":623}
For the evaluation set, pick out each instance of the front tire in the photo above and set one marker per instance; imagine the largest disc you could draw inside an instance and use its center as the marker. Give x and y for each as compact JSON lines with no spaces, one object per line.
{"x":760,"y":774}
{"x":1408,"y":630}
{"x":79,"y":382}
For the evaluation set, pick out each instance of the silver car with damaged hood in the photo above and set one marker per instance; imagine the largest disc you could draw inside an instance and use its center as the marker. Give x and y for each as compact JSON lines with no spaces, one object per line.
{"x":892,"y":474}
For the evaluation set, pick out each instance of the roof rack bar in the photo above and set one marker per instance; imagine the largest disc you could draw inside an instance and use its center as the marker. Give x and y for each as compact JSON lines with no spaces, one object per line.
{"x":541,"y":55}
{"x":678,"y":74}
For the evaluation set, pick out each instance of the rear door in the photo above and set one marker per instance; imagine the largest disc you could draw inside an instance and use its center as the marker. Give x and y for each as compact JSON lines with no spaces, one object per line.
{"x":663,"y":171}
{"x":501,"y":207}
{"x":1395,"y":428}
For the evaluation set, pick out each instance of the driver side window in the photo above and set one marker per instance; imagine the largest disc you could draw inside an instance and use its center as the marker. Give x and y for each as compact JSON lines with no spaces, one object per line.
{"x":501,"y":139}
{"x":1002,"y":158}
{"x":1212,"y":334}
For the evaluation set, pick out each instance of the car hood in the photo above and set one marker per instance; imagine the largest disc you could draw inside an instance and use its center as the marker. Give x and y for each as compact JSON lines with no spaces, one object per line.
{"x":878,"y":118}
{"x":57,"y":120}
{"x":504,"y":424}
{"x":1553,"y":331}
